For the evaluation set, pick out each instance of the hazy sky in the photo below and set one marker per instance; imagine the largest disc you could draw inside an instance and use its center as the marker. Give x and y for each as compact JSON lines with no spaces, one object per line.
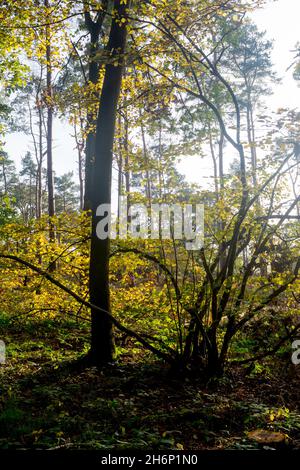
{"x":279,"y":18}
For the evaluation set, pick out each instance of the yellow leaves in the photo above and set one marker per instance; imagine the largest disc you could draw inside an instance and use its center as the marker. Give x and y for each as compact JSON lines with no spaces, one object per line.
{"x":179,"y":446}
{"x":222,"y":13}
{"x":121,"y":21}
{"x":37,"y":434}
{"x":25,"y":16}
{"x":27,"y":293}
{"x":279,"y":414}
{"x":272,"y":417}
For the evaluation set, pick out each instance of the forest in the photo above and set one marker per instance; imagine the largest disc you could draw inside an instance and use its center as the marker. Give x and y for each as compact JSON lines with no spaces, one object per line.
{"x":149,"y":227}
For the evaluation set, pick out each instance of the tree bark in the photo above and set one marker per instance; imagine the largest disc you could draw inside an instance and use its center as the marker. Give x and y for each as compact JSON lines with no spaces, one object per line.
{"x":127,"y":165}
{"x":40,"y":166}
{"x":49,"y":103}
{"x":251,"y":141}
{"x":80,"y":148}
{"x":94,"y":29}
{"x":102,"y":343}
{"x":146,"y":162}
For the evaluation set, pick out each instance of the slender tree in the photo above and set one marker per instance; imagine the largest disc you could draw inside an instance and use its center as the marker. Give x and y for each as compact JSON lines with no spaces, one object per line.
{"x":102,"y":344}
{"x":94,"y":27}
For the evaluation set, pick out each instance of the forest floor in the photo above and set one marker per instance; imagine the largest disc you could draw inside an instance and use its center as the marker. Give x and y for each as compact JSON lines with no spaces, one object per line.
{"x":135,"y":403}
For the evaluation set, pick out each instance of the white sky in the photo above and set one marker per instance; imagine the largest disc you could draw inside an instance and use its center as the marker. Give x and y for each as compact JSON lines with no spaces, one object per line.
{"x":280,"y":19}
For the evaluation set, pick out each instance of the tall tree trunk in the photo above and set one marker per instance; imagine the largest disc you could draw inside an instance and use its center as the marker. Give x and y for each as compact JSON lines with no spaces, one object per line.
{"x":102,"y":344}
{"x":49,"y":102}
{"x":40,"y":166}
{"x":120,"y":171}
{"x":146,"y":163}
{"x":222,"y":247}
{"x":36,"y":153}
{"x":127,"y":164}
{"x":4,"y":178}
{"x":214,"y":159}
{"x":81,"y":185}
{"x":94,"y":29}
{"x":251,"y":141}
{"x":219,"y":187}
{"x":80,"y":148}
{"x":160,"y":165}
{"x":221,"y":161}
{"x":91,"y":136}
